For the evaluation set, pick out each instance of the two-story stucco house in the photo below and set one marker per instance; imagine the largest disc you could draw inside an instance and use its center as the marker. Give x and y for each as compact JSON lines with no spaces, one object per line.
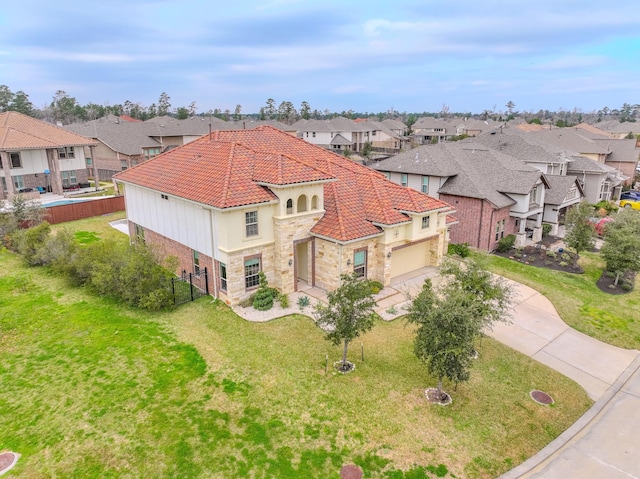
{"x":35,"y":154}
{"x":244,"y":201}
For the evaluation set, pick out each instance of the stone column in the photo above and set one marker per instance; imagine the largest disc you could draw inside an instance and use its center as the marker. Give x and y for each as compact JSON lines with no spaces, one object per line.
{"x":6,"y":167}
{"x":55,"y":178}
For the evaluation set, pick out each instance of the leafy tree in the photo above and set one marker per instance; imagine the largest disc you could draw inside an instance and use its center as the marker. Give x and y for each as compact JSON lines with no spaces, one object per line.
{"x":348,"y":314}
{"x":192,"y":108}
{"x":446,"y":333}
{"x":287,"y":112}
{"x":182,"y":113}
{"x":164,"y":104}
{"x":30,"y":241}
{"x":305,"y":110}
{"x":510,"y":106}
{"x":621,"y":249}
{"x":6,"y":98}
{"x":580,"y":231}
{"x":237,"y":113}
{"x":270,"y":109}
{"x":450,"y":319}
{"x":22,"y":104}
{"x":366,"y":152}
{"x":65,"y":109}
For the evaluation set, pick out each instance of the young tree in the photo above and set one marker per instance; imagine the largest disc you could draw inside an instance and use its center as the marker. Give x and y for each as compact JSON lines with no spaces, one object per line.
{"x":305,"y":110}
{"x":621,"y":249}
{"x":270,"y":109}
{"x":348,"y":314}
{"x":446,"y":333}
{"x":450,"y":318}
{"x":366,"y":152}
{"x":237,"y":113}
{"x":580,"y":231}
{"x":182,"y":113}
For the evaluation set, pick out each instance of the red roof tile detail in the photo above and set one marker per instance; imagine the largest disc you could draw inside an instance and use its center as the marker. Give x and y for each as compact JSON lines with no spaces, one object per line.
{"x":231,"y":168}
{"x":21,"y":132}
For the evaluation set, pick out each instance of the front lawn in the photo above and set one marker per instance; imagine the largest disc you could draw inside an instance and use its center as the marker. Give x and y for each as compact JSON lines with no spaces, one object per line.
{"x":91,"y":389}
{"x":611,"y":318}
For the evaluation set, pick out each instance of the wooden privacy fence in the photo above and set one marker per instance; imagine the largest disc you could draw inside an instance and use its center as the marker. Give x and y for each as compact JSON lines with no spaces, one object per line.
{"x":83,"y":209}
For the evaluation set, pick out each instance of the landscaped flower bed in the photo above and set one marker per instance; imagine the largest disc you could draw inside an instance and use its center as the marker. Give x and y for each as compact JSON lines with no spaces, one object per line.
{"x":556,"y":259}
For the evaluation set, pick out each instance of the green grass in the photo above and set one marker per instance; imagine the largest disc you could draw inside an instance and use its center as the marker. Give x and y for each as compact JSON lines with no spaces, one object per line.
{"x":613,"y":319}
{"x":91,"y":389}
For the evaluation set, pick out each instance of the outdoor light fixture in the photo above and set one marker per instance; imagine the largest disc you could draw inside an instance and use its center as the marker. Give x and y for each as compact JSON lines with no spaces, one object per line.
{"x":290,"y":261}
{"x":348,"y":262}
{"x":389,"y":255}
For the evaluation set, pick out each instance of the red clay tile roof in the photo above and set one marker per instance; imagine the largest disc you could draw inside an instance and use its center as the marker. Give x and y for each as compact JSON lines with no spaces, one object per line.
{"x":229,"y":169}
{"x":21,"y":132}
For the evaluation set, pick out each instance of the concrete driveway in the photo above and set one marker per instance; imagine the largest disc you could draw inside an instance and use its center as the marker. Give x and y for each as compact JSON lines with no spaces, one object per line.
{"x":605,"y":441}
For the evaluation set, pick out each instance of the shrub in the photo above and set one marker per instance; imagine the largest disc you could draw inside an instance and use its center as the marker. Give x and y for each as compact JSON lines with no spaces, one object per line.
{"x":551,"y":254}
{"x":546,"y":229}
{"x":610,"y":274}
{"x":605,"y":208}
{"x":563,"y":264}
{"x":565,"y":257}
{"x":461,"y":249}
{"x":30,"y":242}
{"x":283,"y":299}
{"x":392,"y":310}
{"x":626,"y":286}
{"x":376,"y":286}
{"x":303,"y":302}
{"x":548,"y":263}
{"x":247,"y":302}
{"x":506,"y":243}
{"x":263,"y":299}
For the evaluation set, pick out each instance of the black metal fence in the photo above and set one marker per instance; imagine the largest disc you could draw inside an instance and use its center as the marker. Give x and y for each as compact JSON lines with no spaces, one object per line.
{"x":190,"y":286}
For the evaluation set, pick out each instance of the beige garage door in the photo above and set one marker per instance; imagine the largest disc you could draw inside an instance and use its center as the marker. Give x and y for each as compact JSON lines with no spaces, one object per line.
{"x":405,"y":260}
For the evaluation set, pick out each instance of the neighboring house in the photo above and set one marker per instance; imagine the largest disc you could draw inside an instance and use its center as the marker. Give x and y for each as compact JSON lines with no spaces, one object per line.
{"x":245,"y":201}
{"x":120,"y":144}
{"x":340,"y":134}
{"x":428,"y":130}
{"x":35,"y":154}
{"x":494,"y":194}
{"x":619,"y":129}
{"x":552,"y":155}
{"x":563,"y":193}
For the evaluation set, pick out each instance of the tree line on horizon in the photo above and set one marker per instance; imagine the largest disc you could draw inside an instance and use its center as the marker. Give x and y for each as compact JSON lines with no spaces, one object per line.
{"x":65,"y":109}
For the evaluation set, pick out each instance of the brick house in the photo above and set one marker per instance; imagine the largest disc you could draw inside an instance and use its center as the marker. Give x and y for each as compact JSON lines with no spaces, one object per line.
{"x":35,"y":154}
{"x":244,"y":201}
{"x":494,"y":194}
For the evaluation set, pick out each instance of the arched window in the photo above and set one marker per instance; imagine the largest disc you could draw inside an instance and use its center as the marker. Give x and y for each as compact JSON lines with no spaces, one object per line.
{"x":302,"y":203}
{"x":314,"y":202}
{"x":289,"y":206}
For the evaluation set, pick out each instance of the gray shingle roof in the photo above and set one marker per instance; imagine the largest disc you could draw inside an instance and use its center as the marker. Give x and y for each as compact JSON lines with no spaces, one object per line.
{"x":559,"y":187}
{"x":471,"y":170}
{"x":123,"y":137}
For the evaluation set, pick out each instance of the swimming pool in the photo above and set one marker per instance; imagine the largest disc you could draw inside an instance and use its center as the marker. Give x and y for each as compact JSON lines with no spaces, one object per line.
{"x":62,"y":202}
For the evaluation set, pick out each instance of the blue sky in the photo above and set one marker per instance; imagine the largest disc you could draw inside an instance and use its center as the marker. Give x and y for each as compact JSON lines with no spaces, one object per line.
{"x":362,"y":55}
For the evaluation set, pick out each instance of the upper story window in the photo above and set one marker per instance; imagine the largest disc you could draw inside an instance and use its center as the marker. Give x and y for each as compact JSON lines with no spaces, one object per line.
{"x":289,"y":206}
{"x":403,"y":179}
{"x":302,"y":203}
{"x":425,"y":184}
{"x":251,"y":223}
{"x":88,"y":161}
{"x":373,"y":133}
{"x":425,"y":222}
{"x":533,"y":196}
{"x":16,"y":159}
{"x":313,"y":134}
{"x":66,"y":152}
{"x":151,"y":152}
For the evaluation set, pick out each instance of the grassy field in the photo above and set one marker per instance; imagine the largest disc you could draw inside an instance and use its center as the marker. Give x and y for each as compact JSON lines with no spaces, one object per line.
{"x":91,"y":389}
{"x":613,"y":319}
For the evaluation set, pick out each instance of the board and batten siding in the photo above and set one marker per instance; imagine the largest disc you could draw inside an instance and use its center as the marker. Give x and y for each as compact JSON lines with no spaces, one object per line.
{"x":177,"y":219}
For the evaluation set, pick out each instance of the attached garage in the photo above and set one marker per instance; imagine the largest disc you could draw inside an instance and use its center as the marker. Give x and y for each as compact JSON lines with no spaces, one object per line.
{"x":405,"y":259}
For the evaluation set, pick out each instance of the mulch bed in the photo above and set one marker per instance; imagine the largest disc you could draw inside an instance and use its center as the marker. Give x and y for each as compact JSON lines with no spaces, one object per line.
{"x":535,"y":256}
{"x":437,"y":397}
{"x":606,"y":283}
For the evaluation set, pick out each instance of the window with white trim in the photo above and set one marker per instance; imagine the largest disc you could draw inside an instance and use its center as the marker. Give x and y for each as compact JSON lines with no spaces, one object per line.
{"x":403,"y":179}
{"x":360,"y":263}
{"x":16,"y":159}
{"x":223,"y":276}
{"x":251,"y":223}
{"x":18,"y":182}
{"x":66,"y":152}
{"x":425,"y":184}
{"x":69,"y":178}
{"x":196,"y":262}
{"x":425,"y":222}
{"x":251,"y":273}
